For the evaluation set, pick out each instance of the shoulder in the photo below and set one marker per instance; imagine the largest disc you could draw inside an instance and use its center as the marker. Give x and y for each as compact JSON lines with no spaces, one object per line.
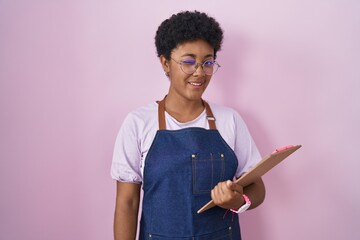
{"x":144,"y":111}
{"x":226,"y":114}
{"x":139,"y":120}
{"x":229,"y":123}
{"x":143,"y":114}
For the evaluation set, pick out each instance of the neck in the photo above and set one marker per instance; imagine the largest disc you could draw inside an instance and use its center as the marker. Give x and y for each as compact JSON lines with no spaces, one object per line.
{"x":182,"y":109}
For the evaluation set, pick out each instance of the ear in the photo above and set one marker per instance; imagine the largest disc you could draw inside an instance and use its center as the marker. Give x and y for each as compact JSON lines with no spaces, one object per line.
{"x":165,"y":64}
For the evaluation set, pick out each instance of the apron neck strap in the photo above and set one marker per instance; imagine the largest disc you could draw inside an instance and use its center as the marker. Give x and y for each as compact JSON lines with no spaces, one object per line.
{"x":209,"y":115}
{"x":161,"y":115}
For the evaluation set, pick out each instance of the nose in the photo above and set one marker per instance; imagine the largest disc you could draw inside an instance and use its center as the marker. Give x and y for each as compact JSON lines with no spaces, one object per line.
{"x":199,"y":72}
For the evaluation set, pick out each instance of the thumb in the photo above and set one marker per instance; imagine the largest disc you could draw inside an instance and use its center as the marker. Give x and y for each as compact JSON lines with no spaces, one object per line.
{"x":233,"y":186}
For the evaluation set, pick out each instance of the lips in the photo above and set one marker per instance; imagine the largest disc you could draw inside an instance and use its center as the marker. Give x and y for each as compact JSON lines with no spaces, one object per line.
{"x":196,"y":84}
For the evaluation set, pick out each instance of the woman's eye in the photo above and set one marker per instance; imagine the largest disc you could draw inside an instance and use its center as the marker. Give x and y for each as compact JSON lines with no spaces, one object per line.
{"x":209,"y":63}
{"x":190,"y":62}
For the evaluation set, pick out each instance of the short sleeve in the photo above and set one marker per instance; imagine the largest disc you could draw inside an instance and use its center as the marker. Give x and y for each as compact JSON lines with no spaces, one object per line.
{"x":245,"y":148}
{"x":126,"y":160}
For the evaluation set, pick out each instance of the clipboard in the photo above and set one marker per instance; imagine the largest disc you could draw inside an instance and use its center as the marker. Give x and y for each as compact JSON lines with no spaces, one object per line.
{"x":259,"y":169}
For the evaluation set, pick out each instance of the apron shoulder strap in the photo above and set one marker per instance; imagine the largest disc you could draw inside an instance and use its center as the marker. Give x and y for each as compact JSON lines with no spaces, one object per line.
{"x":161,"y":115}
{"x":210,"y":116}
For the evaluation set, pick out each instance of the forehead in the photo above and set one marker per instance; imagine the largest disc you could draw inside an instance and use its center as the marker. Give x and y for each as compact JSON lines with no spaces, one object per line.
{"x":196,"y":48}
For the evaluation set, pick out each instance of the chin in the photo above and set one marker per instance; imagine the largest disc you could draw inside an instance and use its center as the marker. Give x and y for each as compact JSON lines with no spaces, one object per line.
{"x":195,"y":96}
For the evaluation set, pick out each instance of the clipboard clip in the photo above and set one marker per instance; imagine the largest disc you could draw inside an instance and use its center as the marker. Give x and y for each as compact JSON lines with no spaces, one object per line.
{"x":282,"y":148}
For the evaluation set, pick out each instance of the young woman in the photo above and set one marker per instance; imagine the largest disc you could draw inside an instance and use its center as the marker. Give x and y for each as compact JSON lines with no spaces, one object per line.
{"x":181,"y":150}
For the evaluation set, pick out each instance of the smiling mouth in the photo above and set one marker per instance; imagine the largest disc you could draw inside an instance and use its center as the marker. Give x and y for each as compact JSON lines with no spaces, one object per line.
{"x":197,"y":84}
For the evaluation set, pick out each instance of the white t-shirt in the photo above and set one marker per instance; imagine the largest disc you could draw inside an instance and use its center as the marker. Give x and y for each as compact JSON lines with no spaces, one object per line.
{"x":140,"y":126}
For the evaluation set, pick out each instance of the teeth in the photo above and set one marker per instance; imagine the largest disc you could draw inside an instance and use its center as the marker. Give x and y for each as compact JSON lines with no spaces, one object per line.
{"x":195,"y":84}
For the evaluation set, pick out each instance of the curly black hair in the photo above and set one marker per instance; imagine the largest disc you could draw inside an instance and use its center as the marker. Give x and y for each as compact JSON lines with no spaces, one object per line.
{"x":187,"y":26}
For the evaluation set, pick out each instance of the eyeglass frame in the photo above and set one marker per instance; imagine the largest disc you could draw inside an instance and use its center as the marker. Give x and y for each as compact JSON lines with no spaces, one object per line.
{"x":197,"y":66}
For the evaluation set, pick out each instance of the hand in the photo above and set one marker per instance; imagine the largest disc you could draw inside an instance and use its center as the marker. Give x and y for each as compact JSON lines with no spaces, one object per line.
{"x":228,"y":195}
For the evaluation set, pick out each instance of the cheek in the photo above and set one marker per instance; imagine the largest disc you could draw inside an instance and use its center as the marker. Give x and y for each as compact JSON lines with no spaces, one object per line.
{"x":208,"y":78}
{"x":175,"y":71}
{"x":179,"y":76}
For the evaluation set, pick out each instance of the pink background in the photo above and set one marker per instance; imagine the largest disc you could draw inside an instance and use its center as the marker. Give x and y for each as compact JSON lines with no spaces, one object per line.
{"x":71,"y":70}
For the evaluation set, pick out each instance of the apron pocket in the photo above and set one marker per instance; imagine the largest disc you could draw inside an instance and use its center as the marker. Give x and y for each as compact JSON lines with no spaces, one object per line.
{"x":225,"y":234}
{"x":208,"y":169}
{"x":158,"y":237}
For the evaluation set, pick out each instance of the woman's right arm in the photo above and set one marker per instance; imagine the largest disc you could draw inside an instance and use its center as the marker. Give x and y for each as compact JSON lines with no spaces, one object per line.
{"x":126,"y":210}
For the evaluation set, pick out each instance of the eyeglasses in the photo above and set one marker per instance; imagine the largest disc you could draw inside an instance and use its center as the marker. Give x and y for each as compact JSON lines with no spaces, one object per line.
{"x":190,"y":66}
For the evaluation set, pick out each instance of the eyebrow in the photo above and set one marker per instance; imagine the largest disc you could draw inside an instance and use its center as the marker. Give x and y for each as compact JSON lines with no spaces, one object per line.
{"x":193,"y":55}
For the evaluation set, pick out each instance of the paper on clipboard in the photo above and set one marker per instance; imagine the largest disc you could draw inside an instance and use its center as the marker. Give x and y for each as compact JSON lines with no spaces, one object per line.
{"x":259,"y":169}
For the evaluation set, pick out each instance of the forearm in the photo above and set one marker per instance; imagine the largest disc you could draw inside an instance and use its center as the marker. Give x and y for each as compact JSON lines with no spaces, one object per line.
{"x":125,"y":223}
{"x":126,"y":211}
{"x":256,"y":193}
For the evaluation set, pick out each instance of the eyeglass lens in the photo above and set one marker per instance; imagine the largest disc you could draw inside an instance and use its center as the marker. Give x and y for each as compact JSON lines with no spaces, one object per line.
{"x":209,"y":67}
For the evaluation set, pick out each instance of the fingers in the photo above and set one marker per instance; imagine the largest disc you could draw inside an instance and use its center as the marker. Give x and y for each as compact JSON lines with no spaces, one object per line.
{"x":234,"y":187}
{"x":225,"y":193}
{"x":217,"y":192}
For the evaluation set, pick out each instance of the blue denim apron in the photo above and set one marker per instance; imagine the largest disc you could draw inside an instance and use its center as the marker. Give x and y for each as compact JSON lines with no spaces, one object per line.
{"x":181,"y":168}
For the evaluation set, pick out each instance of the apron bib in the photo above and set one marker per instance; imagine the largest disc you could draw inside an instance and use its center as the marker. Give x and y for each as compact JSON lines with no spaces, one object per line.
{"x":181,"y":168}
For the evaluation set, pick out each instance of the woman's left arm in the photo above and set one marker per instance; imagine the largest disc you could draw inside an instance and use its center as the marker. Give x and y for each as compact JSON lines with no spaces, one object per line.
{"x":229,"y":195}
{"x":256,"y":193}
